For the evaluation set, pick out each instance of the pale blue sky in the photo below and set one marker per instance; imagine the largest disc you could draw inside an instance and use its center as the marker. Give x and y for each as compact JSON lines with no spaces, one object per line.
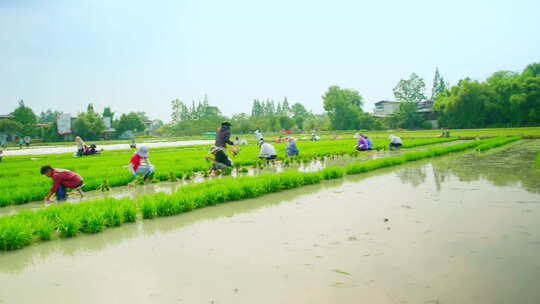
{"x":139,"y":55}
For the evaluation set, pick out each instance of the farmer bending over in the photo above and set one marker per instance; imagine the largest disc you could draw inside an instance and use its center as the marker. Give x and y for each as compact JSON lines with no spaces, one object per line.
{"x":140,"y":163}
{"x":267,"y":151}
{"x":291,"y":147}
{"x":362,"y":144}
{"x":395,"y":142}
{"x":223,"y":138}
{"x":62,"y":179}
{"x":219,"y":158}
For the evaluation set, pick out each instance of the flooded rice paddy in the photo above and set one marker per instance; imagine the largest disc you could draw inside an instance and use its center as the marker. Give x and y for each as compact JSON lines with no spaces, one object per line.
{"x":458,"y":229}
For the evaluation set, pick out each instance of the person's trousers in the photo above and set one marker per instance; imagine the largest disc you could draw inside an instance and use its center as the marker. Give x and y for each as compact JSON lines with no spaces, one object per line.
{"x":61,"y":193}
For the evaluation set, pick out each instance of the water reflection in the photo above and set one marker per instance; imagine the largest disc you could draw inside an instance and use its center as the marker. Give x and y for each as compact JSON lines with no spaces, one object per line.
{"x":511,"y":166}
{"x":20,"y":260}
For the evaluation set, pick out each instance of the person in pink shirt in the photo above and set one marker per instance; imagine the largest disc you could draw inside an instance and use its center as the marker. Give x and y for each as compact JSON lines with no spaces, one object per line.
{"x":62,"y":179}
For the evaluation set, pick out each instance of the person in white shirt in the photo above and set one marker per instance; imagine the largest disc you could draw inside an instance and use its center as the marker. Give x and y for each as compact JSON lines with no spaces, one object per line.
{"x":395,"y":142}
{"x":258,"y":136}
{"x":267,"y":151}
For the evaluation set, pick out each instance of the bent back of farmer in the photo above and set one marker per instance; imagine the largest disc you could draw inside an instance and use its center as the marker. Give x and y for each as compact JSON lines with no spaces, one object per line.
{"x":139,"y":163}
{"x":62,"y":179}
{"x":395,"y":142}
{"x":267,"y":151}
{"x":362,"y":143}
{"x":291,"y":147}
{"x":223,"y":135}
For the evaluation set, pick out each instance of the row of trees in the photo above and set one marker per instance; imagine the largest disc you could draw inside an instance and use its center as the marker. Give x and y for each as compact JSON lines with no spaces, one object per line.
{"x":89,"y":124}
{"x":504,"y":99}
{"x":265,"y":115}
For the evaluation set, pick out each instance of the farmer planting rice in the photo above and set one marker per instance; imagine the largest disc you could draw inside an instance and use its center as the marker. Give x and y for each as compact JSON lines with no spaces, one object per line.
{"x":223,"y":138}
{"x":362,"y":144}
{"x":395,"y":142}
{"x":291,"y":149}
{"x":267,"y":151}
{"x":140,"y":163}
{"x":80,"y":145}
{"x":62,"y":179}
{"x":219,"y":158}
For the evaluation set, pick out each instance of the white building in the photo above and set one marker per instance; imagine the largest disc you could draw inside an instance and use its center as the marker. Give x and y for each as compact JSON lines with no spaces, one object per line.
{"x":385,"y":108}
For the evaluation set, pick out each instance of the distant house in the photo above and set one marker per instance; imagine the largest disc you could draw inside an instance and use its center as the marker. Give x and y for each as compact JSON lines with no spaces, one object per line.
{"x":385,"y":108}
{"x":4,"y":137}
{"x":425,"y":108}
{"x":8,"y":116}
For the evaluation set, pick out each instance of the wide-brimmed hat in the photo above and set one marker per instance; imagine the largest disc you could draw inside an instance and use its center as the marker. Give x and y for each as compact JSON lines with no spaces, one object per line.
{"x":143,"y":151}
{"x":226,"y":123}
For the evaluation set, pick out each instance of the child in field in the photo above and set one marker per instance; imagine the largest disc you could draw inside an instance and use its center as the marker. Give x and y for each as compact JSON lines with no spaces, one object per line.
{"x":62,"y":179}
{"x":140,"y":163}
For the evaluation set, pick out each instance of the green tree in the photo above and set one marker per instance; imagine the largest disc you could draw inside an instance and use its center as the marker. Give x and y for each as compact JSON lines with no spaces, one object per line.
{"x":48,"y":116}
{"x":299,"y":114}
{"x":142,"y":116}
{"x":286,"y":122}
{"x":406,"y":116}
{"x":89,"y":125}
{"x":24,"y":114}
{"x":9,"y":126}
{"x":319,"y":122}
{"x":343,"y":107}
{"x":411,"y":89}
{"x":438,"y":84}
{"x":108,"y":113}
{"x":129,"y":122}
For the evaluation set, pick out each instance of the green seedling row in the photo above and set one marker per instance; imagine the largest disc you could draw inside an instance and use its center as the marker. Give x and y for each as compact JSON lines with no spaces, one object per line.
{"x":538,"y":160}
{"x":20,"y":181}
{"x":69,"y":220}
{"x":496,"y":142}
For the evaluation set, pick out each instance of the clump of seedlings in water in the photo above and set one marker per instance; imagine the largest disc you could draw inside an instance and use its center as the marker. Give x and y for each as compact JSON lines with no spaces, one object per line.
{"x":105,"y":186}
{"x":69,"y":220}
{"x":15,"y":176}
{"x":172,"y":177}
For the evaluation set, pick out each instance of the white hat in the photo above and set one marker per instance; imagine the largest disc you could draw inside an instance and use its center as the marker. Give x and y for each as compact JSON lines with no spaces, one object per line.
{"x":143,"y":151}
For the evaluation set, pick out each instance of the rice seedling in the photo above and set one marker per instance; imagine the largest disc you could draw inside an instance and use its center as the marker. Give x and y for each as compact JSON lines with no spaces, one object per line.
{"x":19,"y":230}
{"x":496,"y":142}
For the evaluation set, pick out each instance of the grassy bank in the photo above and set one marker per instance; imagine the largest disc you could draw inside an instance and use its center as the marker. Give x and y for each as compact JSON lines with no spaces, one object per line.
{"x":23,"y":228}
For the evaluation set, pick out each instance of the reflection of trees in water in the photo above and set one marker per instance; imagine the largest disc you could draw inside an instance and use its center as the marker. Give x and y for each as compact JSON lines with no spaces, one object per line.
{"x":506,"y":167}
{"x":413,"y":175}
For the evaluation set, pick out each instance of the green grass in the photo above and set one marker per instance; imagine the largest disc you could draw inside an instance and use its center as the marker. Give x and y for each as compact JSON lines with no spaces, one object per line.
{"x":68,"y":220}
{"x":496,"y":142}
{"x":20,"y":181}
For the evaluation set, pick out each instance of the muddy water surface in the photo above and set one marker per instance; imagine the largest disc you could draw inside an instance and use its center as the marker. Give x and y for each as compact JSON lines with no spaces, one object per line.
{"x":458,"y":229}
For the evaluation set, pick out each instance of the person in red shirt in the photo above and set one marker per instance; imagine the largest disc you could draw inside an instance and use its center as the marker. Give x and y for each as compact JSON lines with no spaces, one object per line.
{"x":62,"y":179}
{"x":140,"y":163}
